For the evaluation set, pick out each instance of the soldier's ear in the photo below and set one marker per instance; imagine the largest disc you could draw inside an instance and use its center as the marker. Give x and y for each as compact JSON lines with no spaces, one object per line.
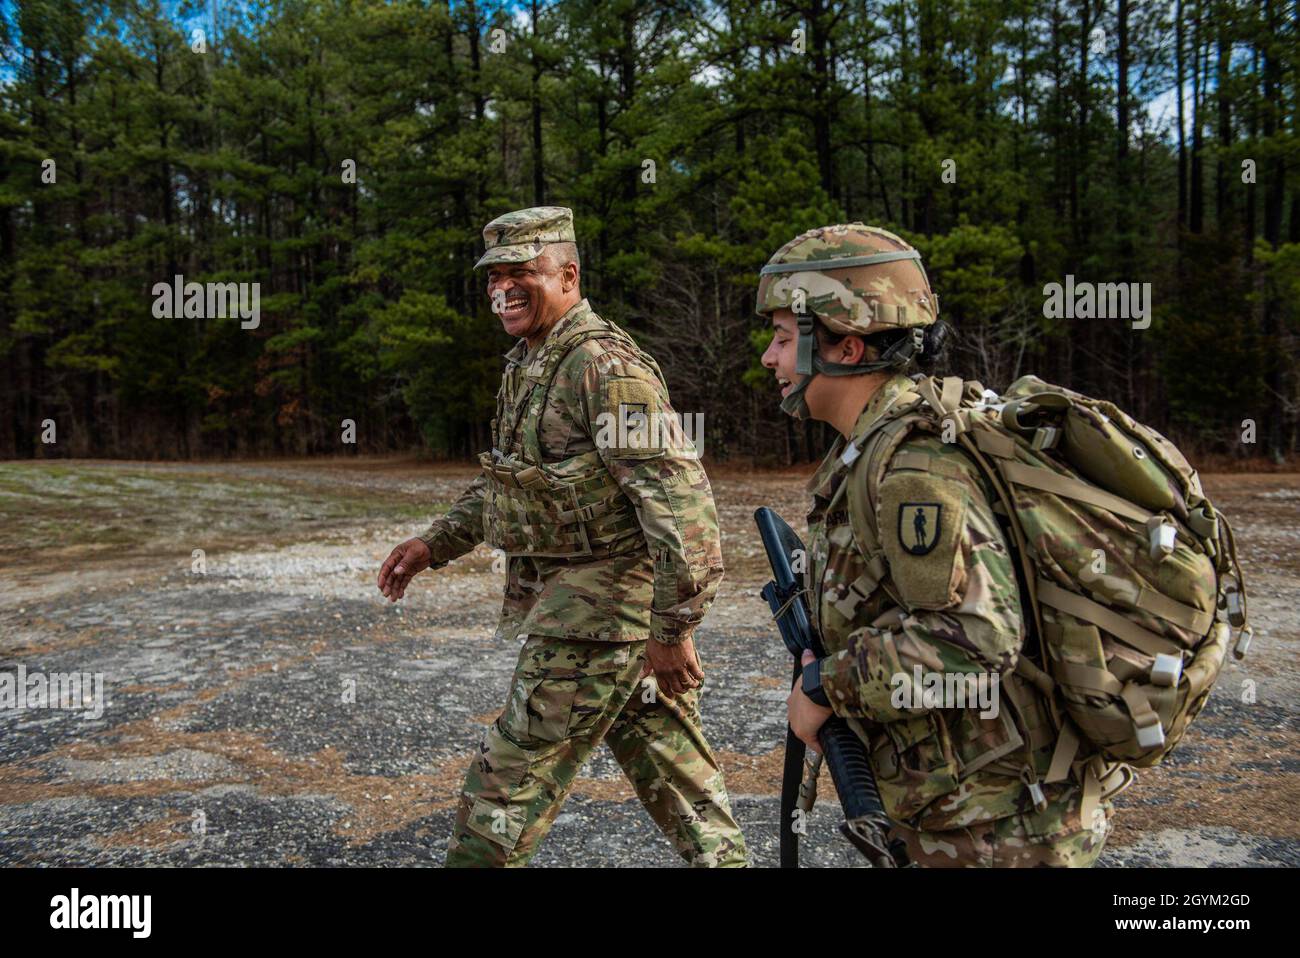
{"x":852,"y":350}
{"x":569,"y":276}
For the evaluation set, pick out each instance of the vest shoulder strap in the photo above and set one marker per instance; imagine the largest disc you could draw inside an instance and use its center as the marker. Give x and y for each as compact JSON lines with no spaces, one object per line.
{"x":542,"y":371}
{"x":875,"y":449}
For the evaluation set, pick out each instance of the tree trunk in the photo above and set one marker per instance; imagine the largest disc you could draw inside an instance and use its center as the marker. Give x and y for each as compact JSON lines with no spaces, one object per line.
{"x":1197,"y":214}
{"x":1222,"y":205}
{"x":1182,"y":137}
{"x":539,"y":172}
{"x":1122,"y":205}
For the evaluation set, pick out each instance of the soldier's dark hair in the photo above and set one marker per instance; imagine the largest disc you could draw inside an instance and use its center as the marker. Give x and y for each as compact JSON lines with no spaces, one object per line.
{"x":934,"y":352}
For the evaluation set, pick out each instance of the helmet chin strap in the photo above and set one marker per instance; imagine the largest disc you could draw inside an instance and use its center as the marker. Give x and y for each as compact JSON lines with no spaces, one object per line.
{"x":808,"y":364}
{"x":795,"y":404}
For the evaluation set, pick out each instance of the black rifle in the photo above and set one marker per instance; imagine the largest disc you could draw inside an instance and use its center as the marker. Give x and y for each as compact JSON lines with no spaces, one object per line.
{"x":865,"y":822}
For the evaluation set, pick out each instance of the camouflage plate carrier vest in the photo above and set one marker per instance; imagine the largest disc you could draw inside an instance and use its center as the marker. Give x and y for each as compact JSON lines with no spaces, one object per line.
{"x":571,"y":509}
{"x":1130,"y":574}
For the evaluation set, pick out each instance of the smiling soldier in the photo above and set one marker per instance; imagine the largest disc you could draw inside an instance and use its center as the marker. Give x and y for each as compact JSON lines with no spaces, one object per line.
{"x":614,"y":557}
{"x":929,"y":586}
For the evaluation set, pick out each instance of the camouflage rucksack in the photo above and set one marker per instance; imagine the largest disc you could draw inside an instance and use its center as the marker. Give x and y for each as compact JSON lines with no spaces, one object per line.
{"x":1129,"y":573}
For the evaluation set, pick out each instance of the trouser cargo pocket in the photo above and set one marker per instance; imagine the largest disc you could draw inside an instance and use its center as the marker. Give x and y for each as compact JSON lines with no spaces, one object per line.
{"x":561,"y":689}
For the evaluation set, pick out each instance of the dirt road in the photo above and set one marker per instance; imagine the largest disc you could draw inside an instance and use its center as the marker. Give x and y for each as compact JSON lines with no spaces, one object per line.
{"x":265,"y":705}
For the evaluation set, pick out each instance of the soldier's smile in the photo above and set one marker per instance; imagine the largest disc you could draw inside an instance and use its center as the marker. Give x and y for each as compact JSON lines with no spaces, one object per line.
{"x":524,"y":296}
{"x":515,"y":306}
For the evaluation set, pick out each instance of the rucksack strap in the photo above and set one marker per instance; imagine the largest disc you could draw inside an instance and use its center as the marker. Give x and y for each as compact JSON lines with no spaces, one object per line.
{"x":1049,"y":593}
{"x":1048,"y":481}
{"x":945,"y":400}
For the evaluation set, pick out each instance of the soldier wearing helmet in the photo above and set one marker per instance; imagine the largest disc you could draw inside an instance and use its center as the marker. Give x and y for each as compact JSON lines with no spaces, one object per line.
{"x":910,"y":579}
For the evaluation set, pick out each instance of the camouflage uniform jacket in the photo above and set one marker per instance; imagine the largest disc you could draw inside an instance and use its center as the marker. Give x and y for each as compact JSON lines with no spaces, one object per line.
{"x":659,"y":580}
{"x":940,"y":597}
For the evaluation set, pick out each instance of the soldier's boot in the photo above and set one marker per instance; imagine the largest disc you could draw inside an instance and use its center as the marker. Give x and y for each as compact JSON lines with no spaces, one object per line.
{"x":660,"y":744}
{"x":1054,"y":838}
{"x":563,"y":699}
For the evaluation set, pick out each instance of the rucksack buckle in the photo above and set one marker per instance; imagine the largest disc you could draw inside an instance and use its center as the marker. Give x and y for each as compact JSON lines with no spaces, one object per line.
{"x":1039,"y":797}
{"x":1036,"y":793}
{"x":1150,"y":736}
{"x":1205,"y":523}
{"x":1243,"y":643}
{"x":1166,"y":670}
{"x":1235,"y":604}
{"x":1046,"y":437}
{"x":1161,"y":535}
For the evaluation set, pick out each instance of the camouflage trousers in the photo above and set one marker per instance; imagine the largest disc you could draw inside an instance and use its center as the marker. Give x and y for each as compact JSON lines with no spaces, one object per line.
{"x":565,"y":699}
{"x":1052,"y":838}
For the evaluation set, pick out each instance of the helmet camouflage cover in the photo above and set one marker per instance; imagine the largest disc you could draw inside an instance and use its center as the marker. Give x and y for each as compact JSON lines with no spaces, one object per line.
{"x":856,"y":279}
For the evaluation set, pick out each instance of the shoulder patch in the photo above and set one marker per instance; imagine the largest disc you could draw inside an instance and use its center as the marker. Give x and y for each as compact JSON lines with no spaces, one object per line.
{"x":918,"y":526}
{"x":922,"y":519}
{"x":630,"y":425}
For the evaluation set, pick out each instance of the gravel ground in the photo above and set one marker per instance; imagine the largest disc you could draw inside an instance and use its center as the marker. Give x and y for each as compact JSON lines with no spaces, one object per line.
{"x":269,"y":707}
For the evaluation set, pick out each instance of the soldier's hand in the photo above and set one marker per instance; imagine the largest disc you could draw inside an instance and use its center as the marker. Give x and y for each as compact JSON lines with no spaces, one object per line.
{"x":404,"y":562}
{"x":675,"y":667}
{"x":806,"y":716}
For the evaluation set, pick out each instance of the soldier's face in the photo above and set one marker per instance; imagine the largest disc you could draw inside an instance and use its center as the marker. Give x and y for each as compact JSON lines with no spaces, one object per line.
{"x":781,"y":352}
{"x":824,"y":392}
{"x":527,"y":297}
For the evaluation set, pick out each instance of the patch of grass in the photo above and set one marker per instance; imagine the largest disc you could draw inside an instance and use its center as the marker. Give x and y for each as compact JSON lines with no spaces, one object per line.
{"x":56,"y":507}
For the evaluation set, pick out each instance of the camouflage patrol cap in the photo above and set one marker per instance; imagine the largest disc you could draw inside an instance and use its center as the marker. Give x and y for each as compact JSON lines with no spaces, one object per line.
{"x":856,"y":279}
{"x":520,"y":236}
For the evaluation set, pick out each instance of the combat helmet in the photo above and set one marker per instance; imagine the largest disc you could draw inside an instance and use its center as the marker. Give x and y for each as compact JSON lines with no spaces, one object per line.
{"x":857,"y":280}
